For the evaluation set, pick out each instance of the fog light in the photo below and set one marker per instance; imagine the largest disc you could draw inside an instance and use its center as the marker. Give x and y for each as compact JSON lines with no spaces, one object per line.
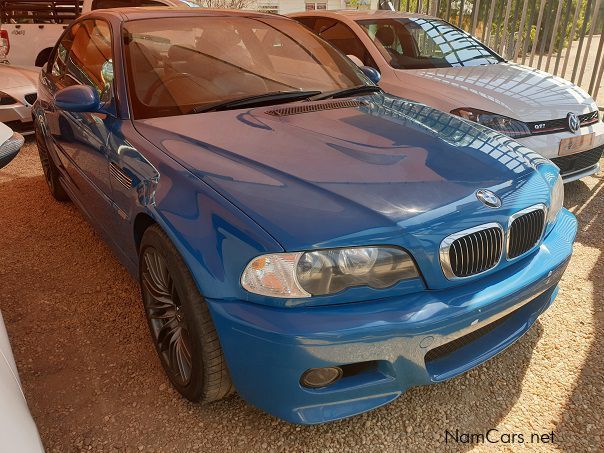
{"x":321,"y":377}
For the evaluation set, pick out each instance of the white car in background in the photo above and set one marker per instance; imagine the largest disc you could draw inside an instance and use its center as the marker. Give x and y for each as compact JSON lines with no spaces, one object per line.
{"x":29,"y":30}
{"x":18,"y":92}
{"x":10,"y":144}
{"x":18,"y":432}
{"x":428,"y":60}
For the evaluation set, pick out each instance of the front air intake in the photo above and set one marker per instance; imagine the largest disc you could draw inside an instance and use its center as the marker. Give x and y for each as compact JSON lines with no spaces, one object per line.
{"x":315,"y":107}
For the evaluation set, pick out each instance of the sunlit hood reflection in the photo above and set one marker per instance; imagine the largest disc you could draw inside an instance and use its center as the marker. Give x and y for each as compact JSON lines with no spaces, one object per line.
{"x":367,"y":169}
{"x":506,"y":88}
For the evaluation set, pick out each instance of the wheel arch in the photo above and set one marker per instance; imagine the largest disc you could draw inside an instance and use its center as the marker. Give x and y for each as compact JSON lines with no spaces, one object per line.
{"x":142,"y":222}
{"x":43,"y":56}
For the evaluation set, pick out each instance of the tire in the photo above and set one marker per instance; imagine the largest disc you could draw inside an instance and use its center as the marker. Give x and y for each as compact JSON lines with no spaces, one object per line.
{"x":179,"y":321}
{"x":43,"y":57}
{"x":51,"y":172}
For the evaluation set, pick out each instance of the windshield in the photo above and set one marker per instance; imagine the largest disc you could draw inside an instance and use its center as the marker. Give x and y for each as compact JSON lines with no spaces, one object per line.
{"x":420,"y":43}
{"x":178,"y":65}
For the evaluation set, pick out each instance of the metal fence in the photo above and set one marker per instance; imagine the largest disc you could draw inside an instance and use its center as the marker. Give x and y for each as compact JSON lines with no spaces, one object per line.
{"x":563,"y":37}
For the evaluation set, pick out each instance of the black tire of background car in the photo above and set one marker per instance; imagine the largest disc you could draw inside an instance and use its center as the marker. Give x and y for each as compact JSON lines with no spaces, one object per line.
{"x":209,"y":377}
{"x":43,"y":57}
{"x":51,"y":173}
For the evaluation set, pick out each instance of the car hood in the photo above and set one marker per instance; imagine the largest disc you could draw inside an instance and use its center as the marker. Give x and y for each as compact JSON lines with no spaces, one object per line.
{"x":341,"y":174}
{"x":18,"y":76}
{"x":509,"y":89}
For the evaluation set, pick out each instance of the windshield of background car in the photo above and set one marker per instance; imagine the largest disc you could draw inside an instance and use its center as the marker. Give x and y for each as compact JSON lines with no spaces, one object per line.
{"x":420,"y":43}
{"x":177,"y":64}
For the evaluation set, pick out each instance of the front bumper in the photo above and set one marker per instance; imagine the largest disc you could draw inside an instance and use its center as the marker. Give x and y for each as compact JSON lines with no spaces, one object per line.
{"x":579,"y":165}
{"x":413,"y":340}
{"x":573,"y":166}
{"x":18,"y":117}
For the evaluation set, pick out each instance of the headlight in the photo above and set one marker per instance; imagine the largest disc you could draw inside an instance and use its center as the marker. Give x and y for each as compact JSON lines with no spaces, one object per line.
{"x":556,"y":200}
{"x":508,"y":126}
{"x":6,"y":99}
{"x":322,"y":272}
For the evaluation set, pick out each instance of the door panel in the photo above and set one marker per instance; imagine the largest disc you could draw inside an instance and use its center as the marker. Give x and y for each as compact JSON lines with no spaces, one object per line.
{"x":133,"y":179}
{"x":81,"y":137}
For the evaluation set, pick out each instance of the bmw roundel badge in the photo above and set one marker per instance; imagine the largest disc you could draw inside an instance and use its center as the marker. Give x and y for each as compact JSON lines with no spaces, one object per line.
{"x":488,"y":198}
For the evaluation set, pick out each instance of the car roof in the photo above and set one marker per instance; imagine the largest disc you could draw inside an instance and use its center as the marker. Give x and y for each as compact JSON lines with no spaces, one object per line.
{"x":156,"y":12}
{"x":356,"y":14}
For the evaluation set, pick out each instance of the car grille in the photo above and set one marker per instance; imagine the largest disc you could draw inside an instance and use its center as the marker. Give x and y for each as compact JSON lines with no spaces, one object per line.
{"x":559,"y":125}
{"x":472,"y":252}
{"x":580,"y":161}
{"x":31,"y":98}
{"x":525,"y":231}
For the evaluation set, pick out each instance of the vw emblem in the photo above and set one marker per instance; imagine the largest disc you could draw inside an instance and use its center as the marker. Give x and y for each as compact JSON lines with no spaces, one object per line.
{"x":573,"y":122}
{"x":488,"y":198}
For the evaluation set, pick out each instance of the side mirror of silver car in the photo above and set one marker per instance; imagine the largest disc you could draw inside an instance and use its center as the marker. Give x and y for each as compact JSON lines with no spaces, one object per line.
{"x":372,"y":74}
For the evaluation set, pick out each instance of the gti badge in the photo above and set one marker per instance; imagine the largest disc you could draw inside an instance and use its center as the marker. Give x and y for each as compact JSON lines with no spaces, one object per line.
{"x":488,"y":198}
{"x":573,"y":122}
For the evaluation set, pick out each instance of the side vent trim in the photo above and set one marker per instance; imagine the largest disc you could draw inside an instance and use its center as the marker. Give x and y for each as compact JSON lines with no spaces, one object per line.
{"x":120,"y":176}
{"x":316,"y":107}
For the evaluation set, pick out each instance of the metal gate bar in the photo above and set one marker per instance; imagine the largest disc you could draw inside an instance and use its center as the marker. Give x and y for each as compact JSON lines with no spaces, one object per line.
{"x":555,"y":35}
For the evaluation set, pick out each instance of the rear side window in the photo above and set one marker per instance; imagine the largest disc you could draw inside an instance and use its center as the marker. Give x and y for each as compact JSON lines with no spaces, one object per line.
{"x":58,"y":61}
{"x":308,"y":21}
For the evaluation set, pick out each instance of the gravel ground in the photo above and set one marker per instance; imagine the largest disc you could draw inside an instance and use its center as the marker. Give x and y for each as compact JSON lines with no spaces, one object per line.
{"x":93,"y":381}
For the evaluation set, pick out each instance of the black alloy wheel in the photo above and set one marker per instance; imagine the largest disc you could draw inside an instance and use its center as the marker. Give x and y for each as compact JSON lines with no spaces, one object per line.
{"x":166,"y":317}
{"x":180,"y":323}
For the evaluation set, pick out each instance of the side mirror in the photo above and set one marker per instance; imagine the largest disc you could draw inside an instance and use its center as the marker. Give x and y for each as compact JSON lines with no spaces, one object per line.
{"x":78,"y":98}
{"x":371,"y":73}
{"x":10,"y":146}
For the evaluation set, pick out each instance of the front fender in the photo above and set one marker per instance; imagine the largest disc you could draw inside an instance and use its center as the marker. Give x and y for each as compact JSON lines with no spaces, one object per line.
{"x":215,"y":239}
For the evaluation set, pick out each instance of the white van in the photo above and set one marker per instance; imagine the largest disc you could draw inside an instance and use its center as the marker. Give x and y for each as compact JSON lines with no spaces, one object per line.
{"x":29,"y":29}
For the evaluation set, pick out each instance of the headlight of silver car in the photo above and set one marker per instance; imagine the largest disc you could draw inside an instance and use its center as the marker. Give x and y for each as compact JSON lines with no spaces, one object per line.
{"x":503,"y":124}
{"x":322,"y":272}
{"x":556,"y":200}
{"x":7,"y":99}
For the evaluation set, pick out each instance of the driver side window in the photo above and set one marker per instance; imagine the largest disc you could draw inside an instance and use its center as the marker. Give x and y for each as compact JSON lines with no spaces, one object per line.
{"x":343,"y":38}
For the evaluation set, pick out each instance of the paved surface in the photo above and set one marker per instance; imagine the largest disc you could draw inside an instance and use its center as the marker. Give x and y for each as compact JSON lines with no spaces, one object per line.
{"x":93,"y":381}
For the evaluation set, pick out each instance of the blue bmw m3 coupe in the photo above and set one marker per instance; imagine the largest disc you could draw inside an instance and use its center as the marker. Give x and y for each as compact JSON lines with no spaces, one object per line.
{"x":300,"y":237}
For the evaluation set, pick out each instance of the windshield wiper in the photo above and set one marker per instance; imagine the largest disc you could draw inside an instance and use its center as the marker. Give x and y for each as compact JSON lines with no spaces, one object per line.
{"x":344,"y":92}
{"x":256,"y":100}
